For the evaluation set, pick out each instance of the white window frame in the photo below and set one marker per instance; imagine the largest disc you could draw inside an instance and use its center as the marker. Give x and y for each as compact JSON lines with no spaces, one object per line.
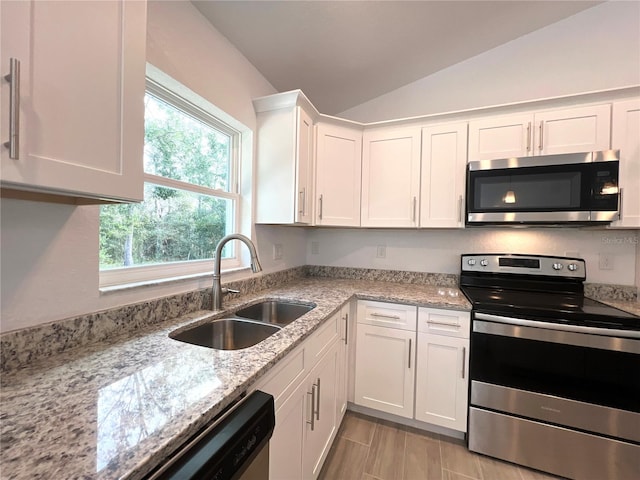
{"x":165,"y":88}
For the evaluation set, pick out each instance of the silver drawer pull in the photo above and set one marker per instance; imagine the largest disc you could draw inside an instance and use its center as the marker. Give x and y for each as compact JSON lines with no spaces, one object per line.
{"x":313,"y":407}
{"x":464,"y":360}
{"x":14,"y":109}
{"x":318,"y":401}
{"x":382,"y":315}
{"x":448,"y":324}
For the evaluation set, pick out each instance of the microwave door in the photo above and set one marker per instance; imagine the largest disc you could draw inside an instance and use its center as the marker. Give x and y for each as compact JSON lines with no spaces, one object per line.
{"x":549,"y":194}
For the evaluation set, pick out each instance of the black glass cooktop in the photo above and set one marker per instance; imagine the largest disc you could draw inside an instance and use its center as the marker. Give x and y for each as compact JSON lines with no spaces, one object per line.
{"x":551,"y":307}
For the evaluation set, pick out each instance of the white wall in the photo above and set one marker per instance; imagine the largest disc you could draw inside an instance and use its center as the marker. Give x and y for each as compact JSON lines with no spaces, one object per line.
{"x":596,"y":49}
{"x":49,"y":252}
{"x":439,"y":250}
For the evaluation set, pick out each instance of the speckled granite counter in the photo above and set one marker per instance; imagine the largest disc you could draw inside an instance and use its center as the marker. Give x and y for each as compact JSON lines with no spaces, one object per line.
{"x":117,"y":408}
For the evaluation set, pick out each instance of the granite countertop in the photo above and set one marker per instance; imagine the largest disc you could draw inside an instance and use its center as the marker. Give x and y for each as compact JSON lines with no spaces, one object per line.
{"x":118,"y":408}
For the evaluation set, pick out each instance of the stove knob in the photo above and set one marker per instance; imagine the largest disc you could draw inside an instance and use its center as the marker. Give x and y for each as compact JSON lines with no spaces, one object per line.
{"x":471,"y":262}
{"x":573,"y":267}
{"x":557,"y":266}
{"x":484,"y":262}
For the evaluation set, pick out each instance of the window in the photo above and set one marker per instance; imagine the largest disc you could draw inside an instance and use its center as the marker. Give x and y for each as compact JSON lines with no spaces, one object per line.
{"x":191,"y":198}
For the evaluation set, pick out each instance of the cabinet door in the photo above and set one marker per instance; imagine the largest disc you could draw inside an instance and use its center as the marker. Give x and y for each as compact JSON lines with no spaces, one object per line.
{"x":501,"y":137}
{"x":385,"y":366}
{"x":304,"y":168}
{"x":287,"y":443}
{"x":343,"y":365}
{"x":626,"y":137}
{"x":391,"y":178}
{"x":338,"y":175}
{"x":81,"y":97}
{"x":442,"y":381}
{"x":444,"y":159}
{"x":321,"y":404}
{"x":582,"y":129}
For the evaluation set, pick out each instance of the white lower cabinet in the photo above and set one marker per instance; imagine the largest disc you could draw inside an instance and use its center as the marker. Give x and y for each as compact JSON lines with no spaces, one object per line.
{"x":442,"y":371}
{"x":320,"y":412}
{"x":342,"y":392}
{"x":286,"y":444}
{"x":394,"y":373}
{"x":385,"y":357}
{"x":306,"y":385}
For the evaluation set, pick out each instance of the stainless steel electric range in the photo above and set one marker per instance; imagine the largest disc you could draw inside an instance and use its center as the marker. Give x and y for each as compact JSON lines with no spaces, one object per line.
{"x":555,"y":376}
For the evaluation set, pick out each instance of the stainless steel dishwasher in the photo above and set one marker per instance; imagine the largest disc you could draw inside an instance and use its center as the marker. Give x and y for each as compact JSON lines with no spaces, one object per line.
{"x":234,"y":447}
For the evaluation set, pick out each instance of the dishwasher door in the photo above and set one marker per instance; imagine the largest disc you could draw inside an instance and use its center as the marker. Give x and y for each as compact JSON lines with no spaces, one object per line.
{"x":234,"y":447}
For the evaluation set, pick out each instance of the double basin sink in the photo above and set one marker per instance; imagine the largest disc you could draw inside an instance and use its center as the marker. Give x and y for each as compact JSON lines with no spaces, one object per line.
{"x":245,"y":328}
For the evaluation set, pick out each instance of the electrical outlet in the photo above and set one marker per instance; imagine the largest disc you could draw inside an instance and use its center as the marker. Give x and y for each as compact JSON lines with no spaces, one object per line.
{"x":605,"y":261}
{"x":381,"y":251}
{"x":277,"y":251}
{"x":315,"y":248}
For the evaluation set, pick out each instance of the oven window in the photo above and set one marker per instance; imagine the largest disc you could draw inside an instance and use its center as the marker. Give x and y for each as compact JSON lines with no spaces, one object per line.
{"x":528,"y":191}
{"x":601,"y":377}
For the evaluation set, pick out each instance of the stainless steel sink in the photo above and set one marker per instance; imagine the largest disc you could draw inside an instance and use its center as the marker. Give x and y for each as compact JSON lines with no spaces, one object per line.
{"x":274,"y":312}
{"x":226,"y":333}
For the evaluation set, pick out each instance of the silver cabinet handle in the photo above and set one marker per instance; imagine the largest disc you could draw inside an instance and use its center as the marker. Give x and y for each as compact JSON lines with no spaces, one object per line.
{"x":313,"y":403}
{"x":410,"y":353}
{"x":415,"y":203}
{"x":301,"y":198}
{"x":346,"y":328}
{"x":320,"y":208}
{"x":382,"y":315}
{"x":540,"y":141}
{"x":529,"y":136}
{"x":448,"y":324}
{"x":14,"y":109}
{"x":318,"y":402}
{"x":464,"y":360}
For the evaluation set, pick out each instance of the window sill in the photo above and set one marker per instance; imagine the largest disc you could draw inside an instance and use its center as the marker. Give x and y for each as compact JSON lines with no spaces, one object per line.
{"x":161,"y":282}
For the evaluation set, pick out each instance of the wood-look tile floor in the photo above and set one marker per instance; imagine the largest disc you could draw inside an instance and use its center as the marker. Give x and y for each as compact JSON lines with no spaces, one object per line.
{"x":371,"y":449}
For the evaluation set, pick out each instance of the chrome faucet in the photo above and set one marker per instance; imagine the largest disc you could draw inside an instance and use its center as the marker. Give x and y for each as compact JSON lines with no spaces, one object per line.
{"x":218,"y":291}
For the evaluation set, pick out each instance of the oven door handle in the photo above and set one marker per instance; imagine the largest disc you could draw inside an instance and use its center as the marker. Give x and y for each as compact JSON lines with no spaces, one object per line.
{"x":609,"y":332}
{"x":539,"y":331}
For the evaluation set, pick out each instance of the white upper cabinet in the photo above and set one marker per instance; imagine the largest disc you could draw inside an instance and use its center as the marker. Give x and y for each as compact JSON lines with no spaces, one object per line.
{"x":285,"y":166}
{"x":79,"y":100}
{"x":579,"y":129}
{"x":626,"y":137}
{"x":391,"y":177}
{"x":338,"y":175}
{"x":444,"y":158}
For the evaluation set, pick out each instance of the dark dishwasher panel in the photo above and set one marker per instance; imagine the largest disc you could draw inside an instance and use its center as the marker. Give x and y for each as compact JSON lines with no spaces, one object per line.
{"x":235,"y":446}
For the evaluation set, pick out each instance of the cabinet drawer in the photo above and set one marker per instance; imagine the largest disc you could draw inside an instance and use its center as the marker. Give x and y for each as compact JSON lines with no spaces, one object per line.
{"x":287,"y":375}
{"x":390,"y":315}
{"x":321,"y":340}
{"x":451,"y":323}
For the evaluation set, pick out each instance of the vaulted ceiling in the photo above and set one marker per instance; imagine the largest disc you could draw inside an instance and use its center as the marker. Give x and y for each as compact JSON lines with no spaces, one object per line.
{"x":344,"y":53}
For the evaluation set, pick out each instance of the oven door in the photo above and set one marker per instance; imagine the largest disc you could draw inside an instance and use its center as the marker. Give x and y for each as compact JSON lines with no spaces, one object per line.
{"x":580,"y":380}
{"x":538,"y":190}
{"x":565,"y":402}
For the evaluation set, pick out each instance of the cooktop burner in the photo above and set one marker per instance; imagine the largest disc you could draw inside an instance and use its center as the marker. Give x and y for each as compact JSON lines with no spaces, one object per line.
{"x":559,"y":308}
{"x":537,"y":288}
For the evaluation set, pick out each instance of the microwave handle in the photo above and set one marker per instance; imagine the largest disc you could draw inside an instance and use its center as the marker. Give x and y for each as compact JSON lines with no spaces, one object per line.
{"x":620,"y":203}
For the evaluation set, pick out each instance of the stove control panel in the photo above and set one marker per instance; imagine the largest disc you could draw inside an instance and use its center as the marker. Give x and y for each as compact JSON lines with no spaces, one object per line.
{"x":524,"y":264}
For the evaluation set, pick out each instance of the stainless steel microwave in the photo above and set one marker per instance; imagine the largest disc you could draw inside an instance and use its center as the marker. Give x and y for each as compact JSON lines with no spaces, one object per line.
{"x":576,"y":188}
